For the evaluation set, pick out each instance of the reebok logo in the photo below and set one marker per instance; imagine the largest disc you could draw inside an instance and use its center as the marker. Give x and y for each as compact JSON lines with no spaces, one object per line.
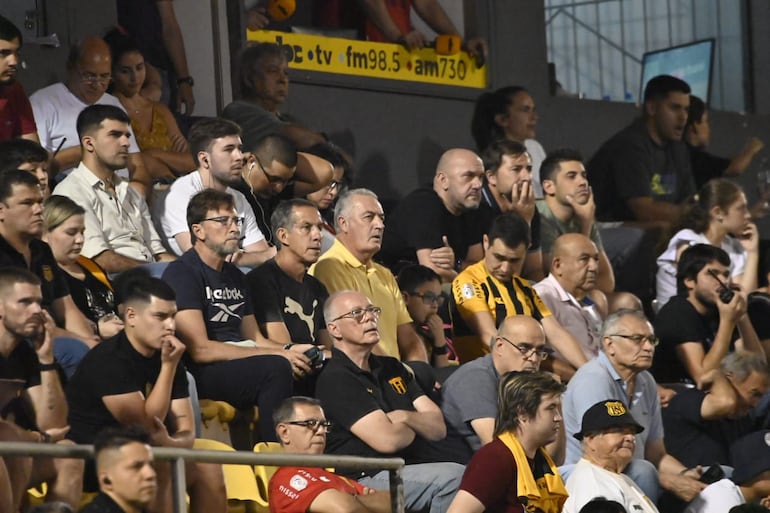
{"x":223,"y":294}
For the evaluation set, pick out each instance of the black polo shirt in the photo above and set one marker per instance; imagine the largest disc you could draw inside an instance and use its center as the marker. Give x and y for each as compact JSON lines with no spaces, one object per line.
{"x":348,"y":393}
{"x":42,"y":264}
{"x":18,"y":372}
{"x":103,"y":503}
{"x":113,"y":367}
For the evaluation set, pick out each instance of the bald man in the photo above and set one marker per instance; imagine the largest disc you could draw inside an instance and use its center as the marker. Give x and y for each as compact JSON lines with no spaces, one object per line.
{"x":469,"y":395}
{"x":566,"y":289}
{"x":56,"y":107}
{"x":440,"y":226}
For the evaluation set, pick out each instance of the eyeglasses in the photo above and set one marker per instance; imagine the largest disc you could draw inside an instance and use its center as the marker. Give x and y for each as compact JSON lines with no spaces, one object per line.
{"x":429,"y":298}
{"x":528,"y":350}
{"x":313,"y":424}
{"x":638,"y":339}
{"x":273,"y":179}
{"x":359,"y":314}
{"x":226,"y":220}
{"x":93,"y":78}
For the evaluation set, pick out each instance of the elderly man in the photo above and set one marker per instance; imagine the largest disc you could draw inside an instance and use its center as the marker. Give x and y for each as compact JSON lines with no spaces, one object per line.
{"x":119,"y":231}
{"x":89,"y":71}
{"x":263,"y":75}
{"x":514,"y":469}
{"x":448,"y":234}
{"x":489,"y":291}
{"x":348,"y":265}
{"x":379,"y":409}
{"x":302,"y":428}
{"x":621,"y":370}
{"x":608,"y":435}
{"x":565,"y":290}
{"x":469,"y":394}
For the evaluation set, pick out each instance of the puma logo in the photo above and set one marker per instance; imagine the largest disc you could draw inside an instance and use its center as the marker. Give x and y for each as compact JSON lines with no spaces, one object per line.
{"x":293,"y":307}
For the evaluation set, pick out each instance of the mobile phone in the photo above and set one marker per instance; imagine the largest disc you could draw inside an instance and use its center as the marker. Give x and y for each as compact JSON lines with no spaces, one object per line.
{"x":712,"y":474}
{"x":726,"y":294}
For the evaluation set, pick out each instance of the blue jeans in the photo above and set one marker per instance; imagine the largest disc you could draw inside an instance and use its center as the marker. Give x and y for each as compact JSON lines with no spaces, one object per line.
{"x":426,"y":485}
{"x":68,"y":352}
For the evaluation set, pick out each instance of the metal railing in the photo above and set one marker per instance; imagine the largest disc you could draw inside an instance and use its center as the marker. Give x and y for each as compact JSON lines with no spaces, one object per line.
{"x":394,"y":466}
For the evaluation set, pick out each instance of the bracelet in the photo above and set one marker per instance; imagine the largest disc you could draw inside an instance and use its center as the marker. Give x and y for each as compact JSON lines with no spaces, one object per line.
{"x":42,"y":367}
{"x":683,"y":472}
{"x":441,"y":350}
{"x":289,"y":345}
{"x":185,"y":80}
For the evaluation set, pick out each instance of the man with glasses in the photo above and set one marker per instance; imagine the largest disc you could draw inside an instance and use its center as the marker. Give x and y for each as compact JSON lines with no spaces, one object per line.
{"x":487,"y":292}
{"x":379,"y":410}
{"x":274,"y":170}
{"x":302,"y":428}
{"x":469,"y":396}
{"x":288,"y":302}
{"x":119,"y":233}
{"x":228,"y":355}
{"x":621,"y":371}
{"x":56,"y":107}
{"x":215,"y":144}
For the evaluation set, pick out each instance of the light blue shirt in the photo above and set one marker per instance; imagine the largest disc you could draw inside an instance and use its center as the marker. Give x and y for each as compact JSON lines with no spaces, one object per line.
{"x":597,"y":381}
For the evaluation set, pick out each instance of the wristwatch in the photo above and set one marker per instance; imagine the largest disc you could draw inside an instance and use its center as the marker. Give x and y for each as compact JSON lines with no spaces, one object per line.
{"x":185,"y":80}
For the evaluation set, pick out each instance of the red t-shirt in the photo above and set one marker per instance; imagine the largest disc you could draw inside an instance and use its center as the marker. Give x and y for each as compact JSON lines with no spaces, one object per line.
{"x":399,"y":11}
{"x":490,"y":476}
{"x":293,"y":489}
{"x":16,"y":118}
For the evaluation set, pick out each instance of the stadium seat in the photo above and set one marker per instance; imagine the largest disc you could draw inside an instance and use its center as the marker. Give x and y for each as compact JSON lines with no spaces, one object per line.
{"x":242,"y":492}
{"x":263,"y":473}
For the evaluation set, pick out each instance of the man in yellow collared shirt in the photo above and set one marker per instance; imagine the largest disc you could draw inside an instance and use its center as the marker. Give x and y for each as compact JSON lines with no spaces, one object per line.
{"x":349,"y":265}
{"x":490,"y":290}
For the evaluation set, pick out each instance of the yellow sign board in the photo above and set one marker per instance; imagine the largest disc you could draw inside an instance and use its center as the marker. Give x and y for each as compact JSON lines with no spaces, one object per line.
{"x":376,"y":60}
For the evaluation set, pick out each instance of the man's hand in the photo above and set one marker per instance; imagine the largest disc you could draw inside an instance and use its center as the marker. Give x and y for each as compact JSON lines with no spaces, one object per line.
{"x":158,"y":433}
{"x":477,"y":47}
{"x":586,"y":213}
{"x":413,"y":40}
{"x":523,"y":200}
{"x":171,"y":350}
{"x":436,"y":327}
{"x":443,"y":257}
{"x":733,"y":310}
{"x":686,"y":486}
{"x":55,"y":434}
{"x":44,"y":342}
{"x":665,"y":395}
{"x":184,"y":95}
{"x":256,"y":18}
{"x":300,"y":364}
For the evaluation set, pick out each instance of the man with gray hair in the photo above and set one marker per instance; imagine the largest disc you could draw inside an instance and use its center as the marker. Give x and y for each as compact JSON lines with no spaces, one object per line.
{"x":349,"y":265}
{"x":379,"y":410}
{"x":621,"y":370}
{"x":288,"y":302}
{"x":701,"y":424}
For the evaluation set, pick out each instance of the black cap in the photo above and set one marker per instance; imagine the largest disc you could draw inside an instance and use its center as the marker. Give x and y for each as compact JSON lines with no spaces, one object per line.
{"x":750,"y":456}
{"x":604,"y":415}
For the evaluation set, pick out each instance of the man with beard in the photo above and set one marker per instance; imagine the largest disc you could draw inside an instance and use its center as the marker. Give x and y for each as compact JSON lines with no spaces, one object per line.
{"x":565,"y":290}
{"x":216,"y":147}
{"x":228,"y":355}
{"x":697,"y":328}
{"x":489,"y":291}
{"x":32,"y":403}
{"x":621,"y":371}
{"x":513,"y":472}
{"x":440,"y":226}
{"x":568,"y":207}
{"x":119,"y":232}
{"x":16,"y":118}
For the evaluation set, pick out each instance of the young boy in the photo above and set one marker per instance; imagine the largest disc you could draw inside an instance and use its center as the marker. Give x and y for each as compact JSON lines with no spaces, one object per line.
{"x":421,"y":288}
